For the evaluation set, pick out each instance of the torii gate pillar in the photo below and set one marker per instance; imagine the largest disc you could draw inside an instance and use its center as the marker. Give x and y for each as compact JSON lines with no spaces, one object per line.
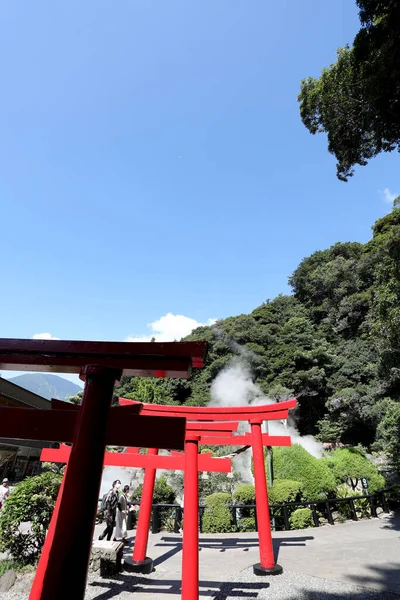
{"x":73,"y":530}
{"x":267,"y":565}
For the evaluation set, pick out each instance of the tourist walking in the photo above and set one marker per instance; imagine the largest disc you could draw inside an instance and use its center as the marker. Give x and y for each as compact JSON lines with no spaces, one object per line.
{"x":122,"y":514}
{"x":4,"y":491}
{"x":110,"y":510}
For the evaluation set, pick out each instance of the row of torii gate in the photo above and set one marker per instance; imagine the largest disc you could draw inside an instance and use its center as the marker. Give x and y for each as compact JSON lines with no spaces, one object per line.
{"x":63,"y":565}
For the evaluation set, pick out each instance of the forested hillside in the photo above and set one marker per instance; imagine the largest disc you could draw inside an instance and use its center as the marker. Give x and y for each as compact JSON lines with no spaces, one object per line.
{"x":334,"y":344}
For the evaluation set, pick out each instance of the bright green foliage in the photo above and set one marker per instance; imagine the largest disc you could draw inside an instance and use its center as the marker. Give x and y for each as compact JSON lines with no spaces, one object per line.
{"x":355,"y":100}
{"x":334,"y":344}
{"x":301,"y":518}
{"x":163,"y":492}
{"x":284,"y":490}
{"x":295,"y":463}
{"x":217,"y":517}
{"x":31,"y":501}
{"x":349,"y":465}
{"x":245,"y":494}
{"x":247,"y":524}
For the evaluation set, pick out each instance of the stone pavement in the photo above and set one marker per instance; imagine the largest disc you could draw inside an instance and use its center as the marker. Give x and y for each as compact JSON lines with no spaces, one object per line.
{"x":364,"y":553}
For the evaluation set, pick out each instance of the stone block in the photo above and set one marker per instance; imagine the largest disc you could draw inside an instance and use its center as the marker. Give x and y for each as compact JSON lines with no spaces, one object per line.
{"x":7,"y":581}
{"x":106,"y":558}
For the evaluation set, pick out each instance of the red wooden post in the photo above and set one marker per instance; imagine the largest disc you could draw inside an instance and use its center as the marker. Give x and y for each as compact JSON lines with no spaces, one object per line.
{"x":37,"y":585}
{"x":140,"y":563}
{"x":67,"y":565}
{"x":267,"y":565}
{"x":190,"y":551}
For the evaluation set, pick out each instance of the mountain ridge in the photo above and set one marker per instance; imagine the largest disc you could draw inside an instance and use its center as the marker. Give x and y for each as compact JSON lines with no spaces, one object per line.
{"x":47,"y":385}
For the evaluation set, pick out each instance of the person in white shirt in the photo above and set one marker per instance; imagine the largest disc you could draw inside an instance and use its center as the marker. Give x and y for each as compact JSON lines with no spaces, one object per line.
{"x":4,"y":491}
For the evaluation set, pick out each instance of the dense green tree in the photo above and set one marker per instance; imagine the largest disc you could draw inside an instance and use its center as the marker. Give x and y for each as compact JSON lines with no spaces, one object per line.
{"x":356,"y":100}
{"x":333,"y":344}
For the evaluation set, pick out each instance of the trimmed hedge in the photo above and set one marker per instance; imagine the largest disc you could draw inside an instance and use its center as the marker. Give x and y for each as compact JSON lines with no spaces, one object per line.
{"x":349,"y":465}
{"x":284,"y":490}
{"x":301,"y":518}
{"x":217,"y":516}
{"x":296,"y":464}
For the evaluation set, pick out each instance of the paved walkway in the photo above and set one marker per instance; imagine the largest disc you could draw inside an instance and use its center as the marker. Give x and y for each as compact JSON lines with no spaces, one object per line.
{"x":328,"y":561}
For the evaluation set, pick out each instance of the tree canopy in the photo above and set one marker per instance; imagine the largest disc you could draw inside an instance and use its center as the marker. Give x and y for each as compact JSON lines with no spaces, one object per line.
{"x":356,"y":100}
{"x":334,"y":344}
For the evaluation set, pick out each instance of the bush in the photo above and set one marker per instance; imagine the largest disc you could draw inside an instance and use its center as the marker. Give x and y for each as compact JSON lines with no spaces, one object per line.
{"x":31,"y":501}
{"x":163,"y":493}
{"x":349,"y":465}
{"x":217,"y":517}
{"x":284,"y":490}
{"x":296,"y":464}
{"x":247,"y":524}
{"x":245,"y":494}
{"x":301,"y":518}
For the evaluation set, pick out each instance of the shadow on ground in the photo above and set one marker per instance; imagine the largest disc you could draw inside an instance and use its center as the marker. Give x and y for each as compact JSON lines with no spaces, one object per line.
{"x":231,"y":543}
{"x":154,"y":587}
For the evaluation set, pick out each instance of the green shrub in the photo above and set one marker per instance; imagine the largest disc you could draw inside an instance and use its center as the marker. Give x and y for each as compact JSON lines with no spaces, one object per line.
{"x":245,"y":494}
{"x":217,"y":517}
{"x":296,"y":464}
{"x":284,"y":490}
{"x":31,"y":501}
{"x":247,"y":524}
{"x":163,"y":493}
{"x":349,"y":465}
{"x":301,"y":518}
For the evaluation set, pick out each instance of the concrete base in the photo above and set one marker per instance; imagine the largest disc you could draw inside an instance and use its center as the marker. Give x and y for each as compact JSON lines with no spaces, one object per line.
{"x":145,"y":567}
{"x":264,"y":571}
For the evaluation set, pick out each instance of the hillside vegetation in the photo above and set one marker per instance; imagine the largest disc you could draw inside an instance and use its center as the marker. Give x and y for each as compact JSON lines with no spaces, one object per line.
{"x":334,"y":344}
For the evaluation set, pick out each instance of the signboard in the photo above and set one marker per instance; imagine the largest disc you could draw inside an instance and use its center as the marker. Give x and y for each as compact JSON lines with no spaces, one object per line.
{"x":364,"y":483}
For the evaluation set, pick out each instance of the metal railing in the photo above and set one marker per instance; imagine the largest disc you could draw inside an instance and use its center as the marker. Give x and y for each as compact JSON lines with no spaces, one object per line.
{"x":170,"y":516}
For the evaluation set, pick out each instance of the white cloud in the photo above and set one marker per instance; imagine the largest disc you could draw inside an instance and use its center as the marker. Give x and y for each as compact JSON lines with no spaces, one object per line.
{"x":44,"y":336}
{"x":170,"y":328}
{"x":389,"y":196}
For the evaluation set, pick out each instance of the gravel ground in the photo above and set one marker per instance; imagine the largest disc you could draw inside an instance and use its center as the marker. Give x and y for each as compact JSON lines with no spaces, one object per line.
{"x":295,"y":586}
{"x":288,"y":586}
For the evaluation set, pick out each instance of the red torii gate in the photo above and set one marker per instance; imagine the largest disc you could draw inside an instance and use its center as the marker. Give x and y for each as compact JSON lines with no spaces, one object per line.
{"x":255,"y":416}
{"x":151,"y":462}
{"x":62,"y":572}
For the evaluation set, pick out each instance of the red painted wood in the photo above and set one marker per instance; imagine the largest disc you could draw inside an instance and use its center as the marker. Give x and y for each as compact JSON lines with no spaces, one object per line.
{"x":132,"y":409}
{"x":267,"y":559}
{"x":190,"y":550}
{"x":37,"y":586}
{"x":268,"y":412}
{"x":220,"y":413}
{"x":122,"y":429}
{"x":147,"y":358}
{"x":209,"y":426}
{"x":175,"y":462}
{"x":245,"y":440}
{"x":146,"y":502}
{"x":73,"y":533}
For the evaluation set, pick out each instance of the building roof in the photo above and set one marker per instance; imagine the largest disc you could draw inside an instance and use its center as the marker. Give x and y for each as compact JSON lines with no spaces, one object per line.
{"x":14,"y":395}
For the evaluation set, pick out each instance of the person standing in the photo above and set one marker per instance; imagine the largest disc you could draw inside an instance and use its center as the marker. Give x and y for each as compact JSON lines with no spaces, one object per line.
{"x":122,"y":514}
{"x":110,"y":512}
{"x":4,"y":491}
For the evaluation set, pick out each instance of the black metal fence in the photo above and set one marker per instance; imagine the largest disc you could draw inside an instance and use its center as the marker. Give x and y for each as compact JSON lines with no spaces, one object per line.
{"x":330,"y":511}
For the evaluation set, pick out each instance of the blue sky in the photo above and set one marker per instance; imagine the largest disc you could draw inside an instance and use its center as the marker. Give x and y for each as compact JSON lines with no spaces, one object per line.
{"x":153,"y":161}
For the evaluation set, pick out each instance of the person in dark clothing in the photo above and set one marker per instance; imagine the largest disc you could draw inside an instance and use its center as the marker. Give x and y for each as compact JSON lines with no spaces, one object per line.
{"x":111,"y":510}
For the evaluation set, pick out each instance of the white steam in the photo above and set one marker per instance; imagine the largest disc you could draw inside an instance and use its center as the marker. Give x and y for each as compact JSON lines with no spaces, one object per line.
{"x":234,"y":386}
